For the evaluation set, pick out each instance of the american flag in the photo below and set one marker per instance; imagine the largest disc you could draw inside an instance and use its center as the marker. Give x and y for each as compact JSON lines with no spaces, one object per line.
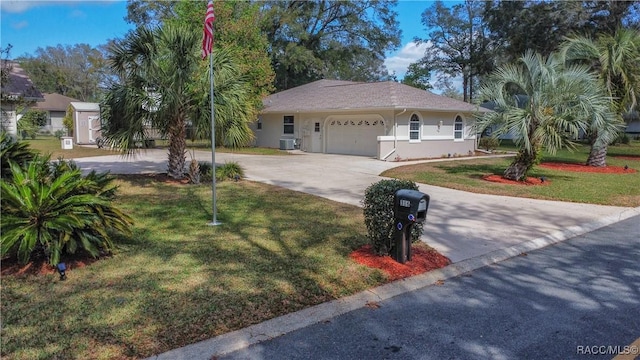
{"x":207,"y":33}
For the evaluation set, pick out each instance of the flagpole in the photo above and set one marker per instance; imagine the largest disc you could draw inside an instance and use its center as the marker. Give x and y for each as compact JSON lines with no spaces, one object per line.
{"x":215,"y":221}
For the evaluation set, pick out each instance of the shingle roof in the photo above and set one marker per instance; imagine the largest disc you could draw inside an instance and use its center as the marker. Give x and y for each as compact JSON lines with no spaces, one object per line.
{"x":328,"y":95}
{"x":19,"y":83}
{"x":54,"y":102}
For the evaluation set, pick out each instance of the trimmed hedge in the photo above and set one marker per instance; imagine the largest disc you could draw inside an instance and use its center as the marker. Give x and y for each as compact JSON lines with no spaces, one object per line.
{"x":378,"y":214}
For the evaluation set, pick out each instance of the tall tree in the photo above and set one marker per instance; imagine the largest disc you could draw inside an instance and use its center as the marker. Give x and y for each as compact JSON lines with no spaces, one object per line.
{"x":76,"y":71}
{"x":166,"y":85}
{"x":237,"y":27}
{"x":517,"y":26}
{"x":418,"y":75}
{"x":458,"y":44}
{"x":616,"y":58}
{"x":544,"y":104}
{"x":318,"y":39}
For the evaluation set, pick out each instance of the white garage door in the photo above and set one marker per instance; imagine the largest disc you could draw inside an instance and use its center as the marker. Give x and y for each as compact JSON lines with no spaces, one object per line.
{"x":354,"y":137}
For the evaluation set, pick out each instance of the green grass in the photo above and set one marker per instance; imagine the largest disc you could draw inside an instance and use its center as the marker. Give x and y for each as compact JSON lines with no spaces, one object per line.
{"x":605,"y":189}
{"x":204,"y":145}
{"x":178,"y":281}
{"x":50,"y":145}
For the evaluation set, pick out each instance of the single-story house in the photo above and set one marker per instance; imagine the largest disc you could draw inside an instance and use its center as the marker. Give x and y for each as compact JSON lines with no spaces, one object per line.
{"x":55,"y":105}
{"x":17,"y":90}
{"x":386,"y":120}
{"x":86,"y":122}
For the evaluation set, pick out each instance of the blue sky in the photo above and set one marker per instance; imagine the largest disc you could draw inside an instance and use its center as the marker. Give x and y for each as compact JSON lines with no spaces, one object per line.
{"x":28,"y":25}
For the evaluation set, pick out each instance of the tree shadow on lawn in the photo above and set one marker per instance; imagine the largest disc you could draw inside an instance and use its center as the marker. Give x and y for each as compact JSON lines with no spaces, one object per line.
{"x":182,"y":283}
{"x":475,"y":169}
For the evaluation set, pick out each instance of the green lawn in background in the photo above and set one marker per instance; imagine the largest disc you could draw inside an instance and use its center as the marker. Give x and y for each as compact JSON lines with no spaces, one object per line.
{"x":51,"y":145}
{"x":606,"y":189}
{"x":205,"y":145}
{"x":178,"y":281}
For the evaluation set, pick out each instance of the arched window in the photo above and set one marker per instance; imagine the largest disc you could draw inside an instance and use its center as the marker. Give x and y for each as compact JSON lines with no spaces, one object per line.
{"x":458,"y":129}
{"x":414,"y":128}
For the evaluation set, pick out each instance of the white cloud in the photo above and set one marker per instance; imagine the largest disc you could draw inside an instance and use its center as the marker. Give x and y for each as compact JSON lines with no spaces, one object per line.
{"x":77,"y":14}
{"x":21,"y":6}
{"x":20,"y":25}
{"x":13,"y":6}
{"x":409,"y":53}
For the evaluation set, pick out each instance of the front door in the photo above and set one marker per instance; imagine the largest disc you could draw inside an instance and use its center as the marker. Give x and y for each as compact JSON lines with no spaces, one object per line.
{"x":94,"y":127}
{"x":316,"y":135}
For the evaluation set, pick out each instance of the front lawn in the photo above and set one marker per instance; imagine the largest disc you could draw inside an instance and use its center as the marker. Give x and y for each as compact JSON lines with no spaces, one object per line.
{"x":605,"y":189}
{"x":178,"y":281}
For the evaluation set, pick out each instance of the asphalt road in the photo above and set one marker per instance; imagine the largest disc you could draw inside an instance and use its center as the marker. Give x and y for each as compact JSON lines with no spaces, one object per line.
{"x":566,"y":301}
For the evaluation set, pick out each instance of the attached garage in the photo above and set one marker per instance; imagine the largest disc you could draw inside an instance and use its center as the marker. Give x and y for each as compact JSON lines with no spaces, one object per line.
{"x":353,"y":136}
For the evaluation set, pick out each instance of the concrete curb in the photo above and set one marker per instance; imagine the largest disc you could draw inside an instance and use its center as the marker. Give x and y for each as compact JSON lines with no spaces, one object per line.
{"x":279,"y":326}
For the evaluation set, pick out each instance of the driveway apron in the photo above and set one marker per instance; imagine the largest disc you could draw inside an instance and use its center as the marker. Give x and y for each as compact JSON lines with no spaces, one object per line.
{"x":461,"y":225}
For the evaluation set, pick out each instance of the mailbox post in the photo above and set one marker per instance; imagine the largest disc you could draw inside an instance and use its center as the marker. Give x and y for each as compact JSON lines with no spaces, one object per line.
{"x":410,"y":207}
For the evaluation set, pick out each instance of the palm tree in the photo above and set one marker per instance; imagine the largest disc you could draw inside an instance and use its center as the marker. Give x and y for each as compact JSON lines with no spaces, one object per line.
{"x":49,"y":209}
{"x":165,"y":85}
{"x":544,"y":104}
{"x":616,"y":58}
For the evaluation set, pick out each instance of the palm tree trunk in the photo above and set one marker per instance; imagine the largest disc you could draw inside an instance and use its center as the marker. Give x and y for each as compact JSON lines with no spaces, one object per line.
{"x":520,"y":166}
{"x":597,"y":156}
{"x":177,"y":149}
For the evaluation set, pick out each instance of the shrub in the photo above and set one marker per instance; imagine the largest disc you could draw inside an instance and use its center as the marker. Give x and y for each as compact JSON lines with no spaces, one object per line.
{"x":378,"y":213}
{"x":49,"y":208}
{"x":67,"y":120}
{"x":205,"y":171}
{"x":488,"y":143}
{"x":59,"y":134}
{"x":624,"y":139}
{"x":194,"y":172}
{"x":230,"y":170}
{"x":15,"y":151}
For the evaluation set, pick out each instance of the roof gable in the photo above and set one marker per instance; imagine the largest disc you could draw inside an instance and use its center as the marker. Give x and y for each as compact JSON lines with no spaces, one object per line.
{"x":328,"y":95}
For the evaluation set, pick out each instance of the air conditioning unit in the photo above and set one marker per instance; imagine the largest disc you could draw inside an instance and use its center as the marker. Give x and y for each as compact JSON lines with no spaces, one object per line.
{"x":287,"y":144}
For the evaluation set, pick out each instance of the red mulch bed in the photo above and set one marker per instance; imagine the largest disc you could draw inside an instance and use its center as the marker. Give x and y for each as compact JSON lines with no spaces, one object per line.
{"x":422,"y":260}
{"x":11,"y":267}
{"x":584,"y":168}
{"x":528,"y":181}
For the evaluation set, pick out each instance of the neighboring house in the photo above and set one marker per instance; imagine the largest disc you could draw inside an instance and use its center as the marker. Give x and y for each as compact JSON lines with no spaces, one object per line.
{"x":17,"y":93}
{"x":385,"y":120}
{"x":86,"y":122}
{"x":56,"y":107}
{"x":633,"y":123}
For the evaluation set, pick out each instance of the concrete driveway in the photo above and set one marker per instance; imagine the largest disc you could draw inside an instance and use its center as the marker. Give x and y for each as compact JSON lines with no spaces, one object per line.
{"x":460,"y":225}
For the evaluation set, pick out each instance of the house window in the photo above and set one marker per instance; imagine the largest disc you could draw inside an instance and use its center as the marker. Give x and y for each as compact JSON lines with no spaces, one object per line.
{"x":288,"y":124}
{"x":259,"y":124}
{"x":414,"y":128}
{"x":458,"y":129}
{"x":316,"y":127}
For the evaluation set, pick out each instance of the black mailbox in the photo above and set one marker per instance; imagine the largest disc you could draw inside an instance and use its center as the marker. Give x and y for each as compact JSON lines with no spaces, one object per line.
{"x":409,"y":207}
